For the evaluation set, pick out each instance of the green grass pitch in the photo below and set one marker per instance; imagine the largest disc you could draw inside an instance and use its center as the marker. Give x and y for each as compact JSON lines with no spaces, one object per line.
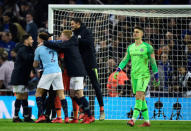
{"x":106,"y":125}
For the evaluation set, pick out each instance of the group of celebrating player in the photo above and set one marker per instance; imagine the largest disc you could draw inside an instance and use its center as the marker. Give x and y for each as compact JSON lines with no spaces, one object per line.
{"x":79,"y":60}
{"x":77,"y":46}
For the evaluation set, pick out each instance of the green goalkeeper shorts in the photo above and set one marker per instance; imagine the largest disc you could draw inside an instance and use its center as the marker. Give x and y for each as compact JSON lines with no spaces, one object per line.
{"x":140,"y":84}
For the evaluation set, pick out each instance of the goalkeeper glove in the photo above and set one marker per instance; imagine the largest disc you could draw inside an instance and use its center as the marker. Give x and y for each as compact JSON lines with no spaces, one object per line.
{"x":156,"y":82}
{"x":116,"y":73}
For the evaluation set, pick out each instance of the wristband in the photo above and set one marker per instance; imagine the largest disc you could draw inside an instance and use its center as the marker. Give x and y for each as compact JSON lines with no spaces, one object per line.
{"x":118,"y":69}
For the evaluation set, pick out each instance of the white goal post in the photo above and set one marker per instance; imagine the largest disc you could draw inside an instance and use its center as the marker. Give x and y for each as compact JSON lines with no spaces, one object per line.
{"x":166,"y":27}
{"x":51,"y":7}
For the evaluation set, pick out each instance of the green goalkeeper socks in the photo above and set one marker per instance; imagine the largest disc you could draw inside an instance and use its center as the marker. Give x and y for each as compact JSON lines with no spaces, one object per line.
{"x":144,"y":110}
{"x":137,"y":109}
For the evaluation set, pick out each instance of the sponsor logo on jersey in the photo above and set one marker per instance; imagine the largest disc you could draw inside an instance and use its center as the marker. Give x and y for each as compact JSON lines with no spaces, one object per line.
{"x":141,"y":50}
{"x":137,"y":55}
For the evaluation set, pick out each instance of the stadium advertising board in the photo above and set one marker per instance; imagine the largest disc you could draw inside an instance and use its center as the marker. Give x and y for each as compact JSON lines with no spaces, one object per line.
{"x":115,"y":108}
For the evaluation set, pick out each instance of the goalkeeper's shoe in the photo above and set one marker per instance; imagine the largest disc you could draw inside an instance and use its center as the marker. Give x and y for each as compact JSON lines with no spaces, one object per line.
{"x":57,"y":120}
{"x":131,"y":123}
{"x":41,"y":119}
{"x":145,"y":124}
{"x":74,"y":121}
{"x":102,"y":116}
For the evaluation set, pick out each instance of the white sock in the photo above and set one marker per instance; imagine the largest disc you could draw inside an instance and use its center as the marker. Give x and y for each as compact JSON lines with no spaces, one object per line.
{"x":134,"y":120}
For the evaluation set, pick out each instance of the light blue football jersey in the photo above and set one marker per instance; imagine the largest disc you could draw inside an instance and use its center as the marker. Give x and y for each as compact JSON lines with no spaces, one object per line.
{"x":49,"y":59}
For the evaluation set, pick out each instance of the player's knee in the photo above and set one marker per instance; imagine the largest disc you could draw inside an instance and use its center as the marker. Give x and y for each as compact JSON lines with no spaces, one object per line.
{"x":60,"y":94}
{"x":79,"y":93}
{"x":19,"y":96}
{"x":39,"y":92}
{"x":72,"y":93}
{"x":25,"y":96}
{"x":139,"y":95}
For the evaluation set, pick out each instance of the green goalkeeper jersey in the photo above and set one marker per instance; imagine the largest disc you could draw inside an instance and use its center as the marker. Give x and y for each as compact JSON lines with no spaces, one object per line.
{"x":139,"y":56}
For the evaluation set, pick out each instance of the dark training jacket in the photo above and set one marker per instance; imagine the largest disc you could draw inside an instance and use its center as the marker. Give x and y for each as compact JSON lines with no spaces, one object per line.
{"x":23,"y":66}
{"x":86,"y":46}
{"x":72,"y":57}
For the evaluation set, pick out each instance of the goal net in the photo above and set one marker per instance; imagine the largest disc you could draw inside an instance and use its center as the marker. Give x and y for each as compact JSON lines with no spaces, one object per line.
{"x":167,"y":29}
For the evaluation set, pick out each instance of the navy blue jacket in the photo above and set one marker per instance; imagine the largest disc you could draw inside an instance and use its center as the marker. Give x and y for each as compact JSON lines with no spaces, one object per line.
{"x":72,"y":58}
{"x":23,"y":66}
{"x":86,"y":46}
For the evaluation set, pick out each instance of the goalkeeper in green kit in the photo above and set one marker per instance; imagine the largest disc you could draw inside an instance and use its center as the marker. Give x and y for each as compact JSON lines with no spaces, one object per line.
{"x":140,"y":53}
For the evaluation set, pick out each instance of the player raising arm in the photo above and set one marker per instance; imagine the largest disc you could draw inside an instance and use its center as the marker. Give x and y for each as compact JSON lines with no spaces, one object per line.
{"x":140,"y":53}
